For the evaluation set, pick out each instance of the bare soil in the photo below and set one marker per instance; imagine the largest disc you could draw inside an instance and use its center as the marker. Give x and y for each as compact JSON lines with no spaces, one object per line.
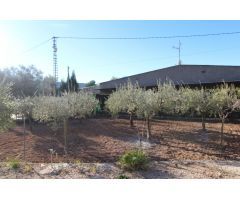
{"x":104,"y":140}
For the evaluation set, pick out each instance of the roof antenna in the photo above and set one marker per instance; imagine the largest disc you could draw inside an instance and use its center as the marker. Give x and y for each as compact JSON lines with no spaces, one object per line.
{"x":179,"y":52}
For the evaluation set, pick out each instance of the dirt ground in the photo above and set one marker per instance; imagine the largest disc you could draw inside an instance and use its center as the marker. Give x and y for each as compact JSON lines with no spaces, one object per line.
{"x":104,"y":140}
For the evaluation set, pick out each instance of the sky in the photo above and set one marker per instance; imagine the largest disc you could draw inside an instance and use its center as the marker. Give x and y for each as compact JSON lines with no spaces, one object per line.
{"x":100,"y":60}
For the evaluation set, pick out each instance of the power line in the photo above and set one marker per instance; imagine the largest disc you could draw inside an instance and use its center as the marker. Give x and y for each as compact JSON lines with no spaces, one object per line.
{"x":151,"y":37}
{"x":54,"y":39}
{"x":135,"y":38}
{"x":37,"y":46}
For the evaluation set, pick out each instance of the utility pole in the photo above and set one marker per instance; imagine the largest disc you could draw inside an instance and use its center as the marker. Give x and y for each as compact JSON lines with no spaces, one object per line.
{"x":179,"y":52}
{"x":68,"y":81}
{"x":55,"y":67}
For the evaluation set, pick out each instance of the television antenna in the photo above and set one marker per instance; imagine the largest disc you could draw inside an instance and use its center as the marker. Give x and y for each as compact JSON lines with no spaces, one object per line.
{"x":179,"y":52}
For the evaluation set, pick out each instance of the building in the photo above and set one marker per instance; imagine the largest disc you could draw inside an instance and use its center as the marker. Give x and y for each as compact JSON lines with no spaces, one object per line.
{"x":191,"y":75}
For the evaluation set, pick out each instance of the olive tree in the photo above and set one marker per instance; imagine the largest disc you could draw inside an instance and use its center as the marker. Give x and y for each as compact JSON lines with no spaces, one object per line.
{"x":24,"y":107}
{"x":6,"y":105}
{"x":54,"y":111}
{"x":197,"y":101}
{"x":224,"y":101}
{"x":124,"y":99}
{"x":81,"y":104}
{"x":57,"y":110}
{"x":114,"y":103}
{"x":167,"y":98}
{"x":147,"y":107}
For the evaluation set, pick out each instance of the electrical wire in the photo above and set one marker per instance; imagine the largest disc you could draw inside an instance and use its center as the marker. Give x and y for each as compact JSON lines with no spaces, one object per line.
{"x":36,"y":46}
{"x":151,"y":37}
{"x":134,"y":38}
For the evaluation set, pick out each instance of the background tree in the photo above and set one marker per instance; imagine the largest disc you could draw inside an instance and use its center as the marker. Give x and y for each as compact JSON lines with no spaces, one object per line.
{"x":26,"y":80}
{"x":90,"y":83}
{"x":113,"y":78}
{"x":63,"y":86}
{"x":71,"y":85}
{"x":48,"y":86}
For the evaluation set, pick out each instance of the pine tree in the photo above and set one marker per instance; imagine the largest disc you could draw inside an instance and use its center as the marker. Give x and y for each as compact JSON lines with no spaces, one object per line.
{"x":73,"y":83}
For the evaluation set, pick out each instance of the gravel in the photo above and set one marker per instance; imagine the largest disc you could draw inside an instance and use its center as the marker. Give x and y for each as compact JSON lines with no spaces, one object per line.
{"x":156,"y":170}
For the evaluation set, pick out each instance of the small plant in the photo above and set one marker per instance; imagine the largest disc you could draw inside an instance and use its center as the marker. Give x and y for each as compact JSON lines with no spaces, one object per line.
{"x":78,"y":162}
{"x":134,"y":160}
{"x":52,"y":151}
{"x":122,"y":176}
{"x":28,"y":168}
{"x":93,"y":169}
{"x":14,"y":164}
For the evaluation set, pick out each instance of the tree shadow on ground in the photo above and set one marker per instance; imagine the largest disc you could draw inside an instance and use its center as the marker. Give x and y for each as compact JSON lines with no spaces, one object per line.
{"x":104,"y":140}
{"x":84,"y":143}
{"x":211,"y":147}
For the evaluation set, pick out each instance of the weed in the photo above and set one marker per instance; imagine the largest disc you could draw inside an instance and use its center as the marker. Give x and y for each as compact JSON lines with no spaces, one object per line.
{"x":134,"y":160}
{"x":78,"y":162}
{"x":14,"y":164}
{"x":122,"y":176}
{"x":28,"y":168}
{"x":93,"y":169}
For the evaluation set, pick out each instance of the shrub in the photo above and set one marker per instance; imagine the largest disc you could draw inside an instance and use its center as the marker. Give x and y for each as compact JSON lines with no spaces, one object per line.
{"x":78,"y":162}
{"x":28,"y":168}
{"x":134,"y":160}
{"x":122,"y":176}
{"x":14,"y":164}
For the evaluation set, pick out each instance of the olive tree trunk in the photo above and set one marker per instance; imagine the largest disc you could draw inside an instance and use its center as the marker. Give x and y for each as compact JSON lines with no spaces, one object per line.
{"x":65,"y":132}
{"x":24,"y":137}
{"x":30,"y":123}
{"x":131,"y":120}
{"x":148,"y":128}
{"x":203,"y":123}
{"x":222,"y":127}
{"x":204,"y":134}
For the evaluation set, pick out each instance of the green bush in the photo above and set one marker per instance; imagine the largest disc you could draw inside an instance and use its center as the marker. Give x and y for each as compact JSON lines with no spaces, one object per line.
{"x":122,"y":176}
{"x":134,"y":160}
{"x":14,"y":164}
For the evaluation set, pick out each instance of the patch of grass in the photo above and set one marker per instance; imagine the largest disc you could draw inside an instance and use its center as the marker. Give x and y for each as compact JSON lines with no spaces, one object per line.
{"x":134,"y":160}
{"x":14,"y":164}
{"x":122,"y":176}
